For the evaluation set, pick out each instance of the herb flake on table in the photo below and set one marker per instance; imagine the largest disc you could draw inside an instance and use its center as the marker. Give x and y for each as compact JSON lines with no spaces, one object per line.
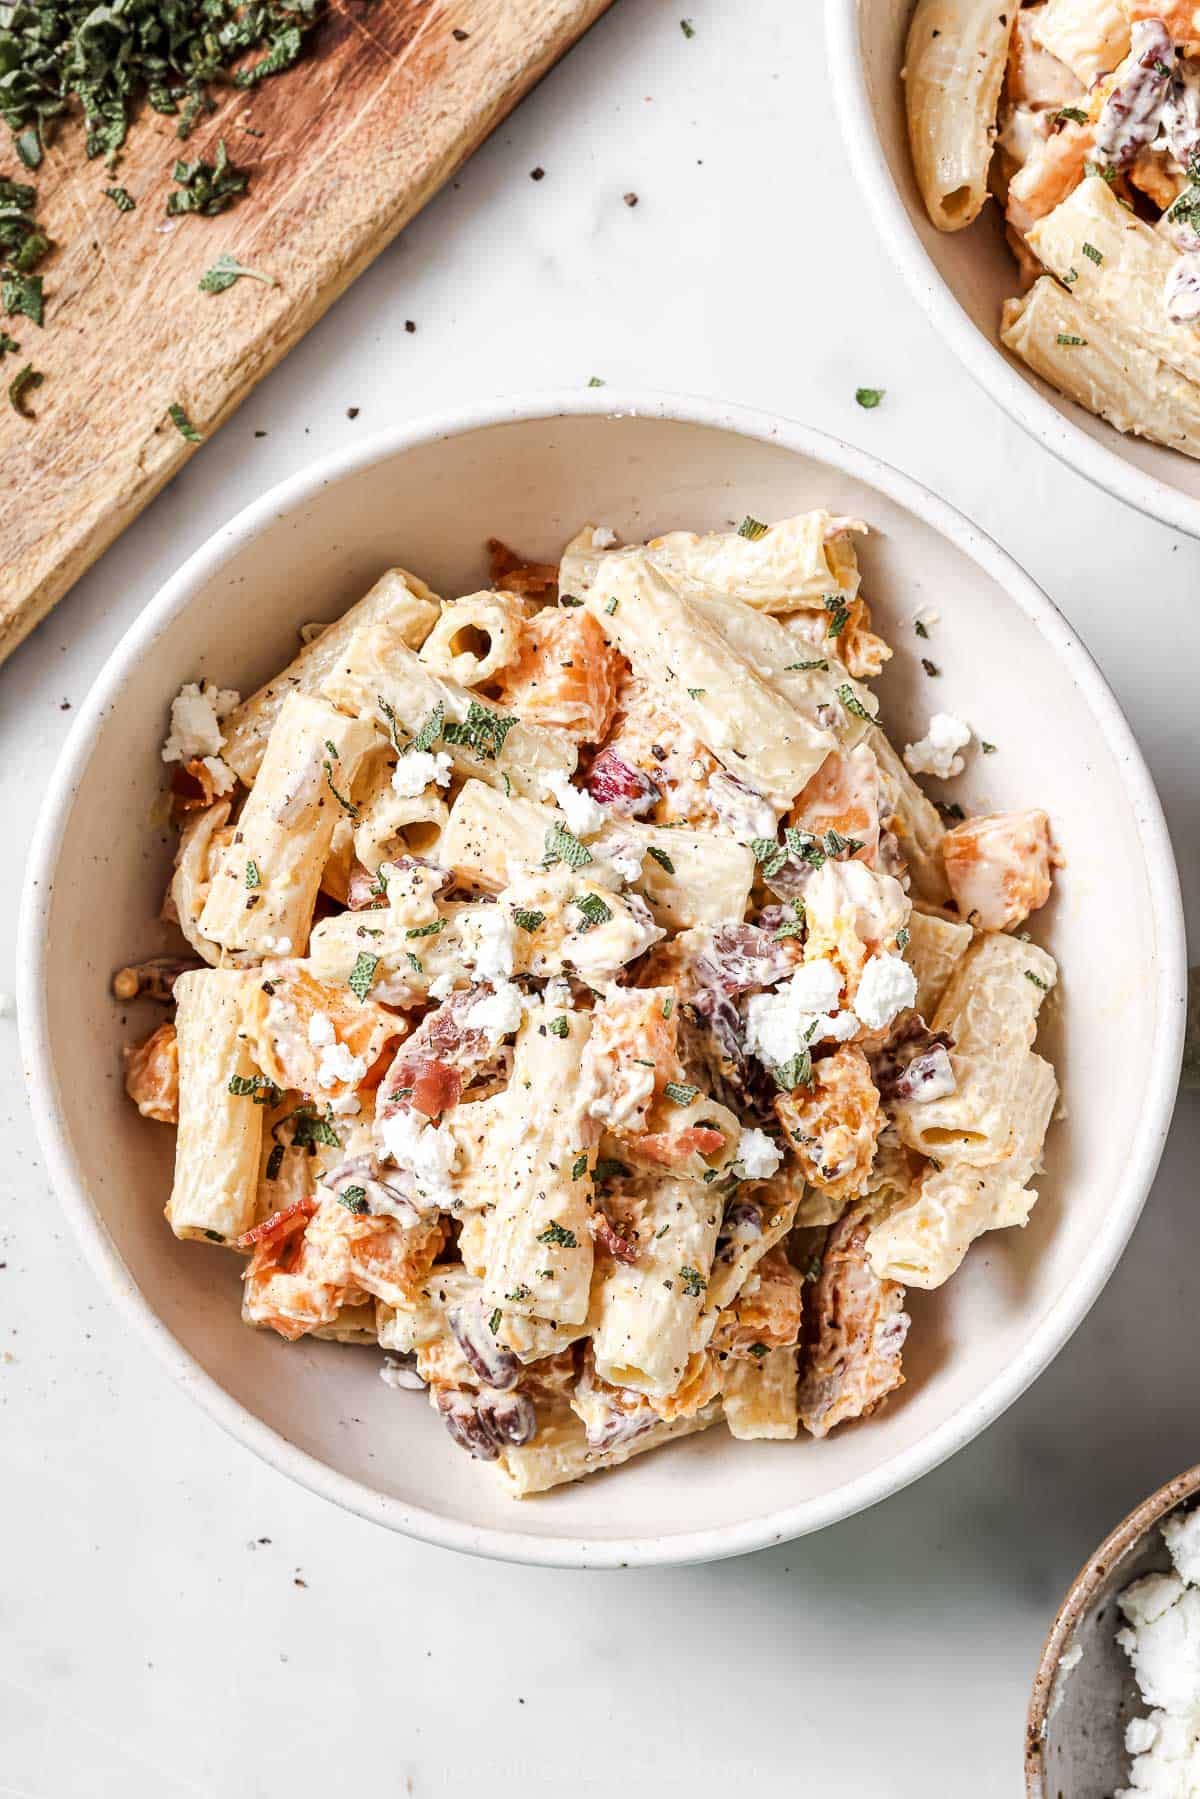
{"x":121,"y":198}
{"x":869,"y":397}
{"x":21,"y":293}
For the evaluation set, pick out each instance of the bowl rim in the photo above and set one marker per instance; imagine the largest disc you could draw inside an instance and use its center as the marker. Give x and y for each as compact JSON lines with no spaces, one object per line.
{"x":1134,"y":1527}
{"x":982,"y":357}
{"x":69,"y":1178}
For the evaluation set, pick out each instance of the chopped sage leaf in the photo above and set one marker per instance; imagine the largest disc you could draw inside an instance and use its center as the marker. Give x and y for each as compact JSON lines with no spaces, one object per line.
{"x":362,"y":974}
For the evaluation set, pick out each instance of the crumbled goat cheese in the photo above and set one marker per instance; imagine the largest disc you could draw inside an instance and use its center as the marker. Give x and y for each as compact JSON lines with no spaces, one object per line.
{"x":277,"y":946}
{"x":886,"y":986}
{"x":346,"y":1105}
{"x":418,"y":769}
{"x":584,"y":817}
{"x":488,"y":943}
{"x":498,"y":1012}
{"x":603,"y":537}
{"x":782,"y":1023}
{"x":1162,"y":1641}
{"x":1181,"y":1534}
{"x":637,"y":1088}
{"x":337,"y":1065}
{"x":320,"y":1030}
{"x":220,"y":774}
{"x":934,"y":754}
{"x":428,"y":1151}
{"x":442,"y":987}
{"x":626,"y":858}
{"x":196,"y":714}
{"x":758,"y":1155}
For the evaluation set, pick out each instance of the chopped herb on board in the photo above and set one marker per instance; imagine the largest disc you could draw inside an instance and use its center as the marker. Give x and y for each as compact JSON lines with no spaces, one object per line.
{"x":20,"y":385}
{"x":22,"y":294}
{"x":204,"y":187}
{"x":225,"y":271}
{"x":7,"y":343}
{"x":121,"y":198}
{"x":183,"y":423}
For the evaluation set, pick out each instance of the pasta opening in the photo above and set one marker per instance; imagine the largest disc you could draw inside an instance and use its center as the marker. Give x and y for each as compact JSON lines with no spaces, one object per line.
{"x":421,"y":835}
{"x":958,"y":202}
{"x":471,"y":641}
{"x":935,"y":1138}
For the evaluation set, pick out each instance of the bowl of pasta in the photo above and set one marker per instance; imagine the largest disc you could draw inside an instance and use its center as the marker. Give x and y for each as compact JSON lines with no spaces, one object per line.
{"x":1033,"y":171}
{"x":503,"y":1006}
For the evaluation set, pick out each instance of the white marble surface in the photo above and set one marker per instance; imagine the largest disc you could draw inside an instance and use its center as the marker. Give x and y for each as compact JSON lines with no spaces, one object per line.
{"x":152,"y":1640}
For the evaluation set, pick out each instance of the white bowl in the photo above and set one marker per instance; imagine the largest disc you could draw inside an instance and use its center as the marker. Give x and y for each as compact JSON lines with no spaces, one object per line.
{"x":961,"y":278}
{"x":427,"y":496}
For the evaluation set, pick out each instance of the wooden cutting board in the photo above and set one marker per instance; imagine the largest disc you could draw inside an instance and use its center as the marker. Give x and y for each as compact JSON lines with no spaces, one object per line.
{"x":388,"y":100}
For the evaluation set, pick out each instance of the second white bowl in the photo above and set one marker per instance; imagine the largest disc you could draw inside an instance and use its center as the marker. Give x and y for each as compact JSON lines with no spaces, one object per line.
{"x":427,"y":496}
{"x":962,"y":278}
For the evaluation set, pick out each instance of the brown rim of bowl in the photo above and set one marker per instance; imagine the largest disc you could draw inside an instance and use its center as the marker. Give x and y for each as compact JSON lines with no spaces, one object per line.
{"x":1113,"y":1550}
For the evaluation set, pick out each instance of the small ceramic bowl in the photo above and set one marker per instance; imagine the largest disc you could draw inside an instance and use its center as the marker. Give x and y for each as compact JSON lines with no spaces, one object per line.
{"x":427,"y":495}
{"x":961,"y":278}
{"x":1084,"y":1693}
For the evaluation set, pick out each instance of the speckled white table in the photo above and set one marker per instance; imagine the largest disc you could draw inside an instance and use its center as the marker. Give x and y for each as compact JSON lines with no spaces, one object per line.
{"x":177,"y":1620}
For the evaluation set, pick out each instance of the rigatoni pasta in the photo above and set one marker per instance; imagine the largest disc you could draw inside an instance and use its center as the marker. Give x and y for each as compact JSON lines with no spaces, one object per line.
{"x":593,"y":1013}
{"x":1080,"y":117}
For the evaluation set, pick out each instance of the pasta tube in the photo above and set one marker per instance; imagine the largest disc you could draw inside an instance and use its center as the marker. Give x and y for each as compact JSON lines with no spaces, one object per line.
{"x":954,"y":68}
{"x":649,"y":1311}
{"x":217,"y":1149}
{"x":397,"y":596}
{"x":265,"y":886}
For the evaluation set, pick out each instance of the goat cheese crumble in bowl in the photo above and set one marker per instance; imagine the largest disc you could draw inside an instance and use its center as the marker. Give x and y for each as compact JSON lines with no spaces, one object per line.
{"x":655,"y":471}
{"x":1116,"y":1700}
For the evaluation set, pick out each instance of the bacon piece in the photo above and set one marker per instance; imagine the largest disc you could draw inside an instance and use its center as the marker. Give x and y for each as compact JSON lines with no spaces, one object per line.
{"x":291,"y":1218}
{"x":861,"y":1324}
{"x":611,"y":1239}
{"x":625,"y":790}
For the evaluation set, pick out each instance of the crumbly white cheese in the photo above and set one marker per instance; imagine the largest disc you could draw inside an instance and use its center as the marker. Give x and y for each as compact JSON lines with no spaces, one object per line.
{"x":1162,"y":1641}
{"x":428,"y":1151}
{"x":603,"y":537}
{"x":277,"y":946}
{"x":220,"y":774}
{"x":1181,"y":1534}
{"x":758,"y":1155}
{"x":886,"y":986}
{"x":196,"y":714}
{"x":488,"y":938}
{"x":338,"y":1064}
{"x":584,"y":817}
{"x":627,"y":859}
{"x":935,"y":753}
{"x":419,"y":769}
{"x":346,"y":1105}
{"x":498,"y":1012}
{"x":320,"y":1030}
{"x":801,"y":1012}
{"x":442,"y":986}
